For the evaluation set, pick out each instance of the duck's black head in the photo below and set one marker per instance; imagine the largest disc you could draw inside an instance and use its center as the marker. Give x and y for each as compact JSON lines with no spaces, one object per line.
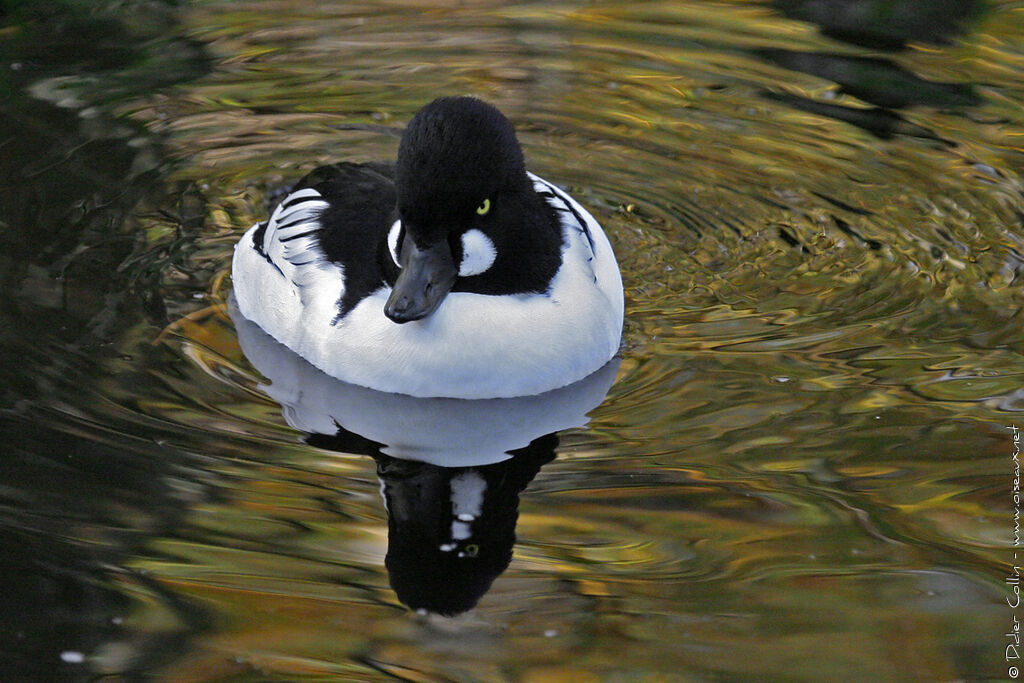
{"x":455,"y":153}
{"x":470,"y":218}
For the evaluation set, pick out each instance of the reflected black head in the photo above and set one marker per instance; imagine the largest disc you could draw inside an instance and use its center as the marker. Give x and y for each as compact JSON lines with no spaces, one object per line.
{"x":429,"y":568}
{"x":443,"y":583}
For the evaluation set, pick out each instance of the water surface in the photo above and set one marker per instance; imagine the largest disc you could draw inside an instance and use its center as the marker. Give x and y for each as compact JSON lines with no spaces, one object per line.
{"x":802,"y":470}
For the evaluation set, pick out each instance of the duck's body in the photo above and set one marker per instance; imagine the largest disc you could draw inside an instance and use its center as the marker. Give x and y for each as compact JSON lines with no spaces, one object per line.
{"x":381,"y":276}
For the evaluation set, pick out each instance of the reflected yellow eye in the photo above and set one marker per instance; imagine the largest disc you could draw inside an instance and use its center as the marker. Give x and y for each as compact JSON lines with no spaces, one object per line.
{"x":484,"y":208}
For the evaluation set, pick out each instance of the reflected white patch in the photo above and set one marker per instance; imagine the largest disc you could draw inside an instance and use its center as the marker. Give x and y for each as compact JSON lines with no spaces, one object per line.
{"x":396,"y":229}
{"x":468,"y":490}
{"x":478,"y":253}
{"x":460,"y":531}
{"x":468,"y":494}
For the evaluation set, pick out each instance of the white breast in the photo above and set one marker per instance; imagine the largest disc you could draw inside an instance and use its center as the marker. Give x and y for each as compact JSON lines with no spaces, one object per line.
{"x":473,"y":346}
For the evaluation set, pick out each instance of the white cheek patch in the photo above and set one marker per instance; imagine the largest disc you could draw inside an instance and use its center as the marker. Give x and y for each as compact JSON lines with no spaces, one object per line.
{"x":393,"y":234}
{"x":478,"y":253}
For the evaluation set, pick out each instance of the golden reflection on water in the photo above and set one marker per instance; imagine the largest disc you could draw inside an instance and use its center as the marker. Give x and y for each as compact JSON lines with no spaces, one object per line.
{"x":802,"y":470}
{"x":822,"y":343}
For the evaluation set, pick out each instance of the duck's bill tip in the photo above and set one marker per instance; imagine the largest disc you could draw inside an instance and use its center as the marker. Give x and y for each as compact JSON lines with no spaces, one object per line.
{"x":426,"y":277}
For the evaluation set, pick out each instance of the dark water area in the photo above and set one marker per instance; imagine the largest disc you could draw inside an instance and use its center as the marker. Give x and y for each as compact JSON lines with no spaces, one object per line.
{"x":801,"y":467}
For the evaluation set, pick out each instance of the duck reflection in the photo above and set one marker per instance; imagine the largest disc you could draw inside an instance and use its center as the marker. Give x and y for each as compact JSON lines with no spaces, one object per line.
{"x":451,"y":470}
{"x":886,"y":24}
{"x":884,"y":83}
{"x":450,"y":529}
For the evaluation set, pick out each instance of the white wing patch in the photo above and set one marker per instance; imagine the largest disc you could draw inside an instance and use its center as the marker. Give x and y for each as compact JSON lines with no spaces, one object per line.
{"x":573,"y":215}
{"x":290,"y":238}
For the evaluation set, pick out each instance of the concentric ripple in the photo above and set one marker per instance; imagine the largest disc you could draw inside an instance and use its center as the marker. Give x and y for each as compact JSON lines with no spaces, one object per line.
{"x":801,"y":471}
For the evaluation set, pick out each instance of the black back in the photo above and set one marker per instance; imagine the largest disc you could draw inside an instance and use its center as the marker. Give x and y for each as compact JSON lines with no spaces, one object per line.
{"x":361,"y":209}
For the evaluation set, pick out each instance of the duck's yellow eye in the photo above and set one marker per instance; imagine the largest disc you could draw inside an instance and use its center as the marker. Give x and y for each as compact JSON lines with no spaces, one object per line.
{"x":484,"y":208}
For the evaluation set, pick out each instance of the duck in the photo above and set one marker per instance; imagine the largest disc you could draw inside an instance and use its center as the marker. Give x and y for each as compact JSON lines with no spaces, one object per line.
{"x":451,"y":272}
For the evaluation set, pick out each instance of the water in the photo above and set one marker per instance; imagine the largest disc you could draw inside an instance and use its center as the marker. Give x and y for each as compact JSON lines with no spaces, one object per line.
{"x":802,"y":469}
